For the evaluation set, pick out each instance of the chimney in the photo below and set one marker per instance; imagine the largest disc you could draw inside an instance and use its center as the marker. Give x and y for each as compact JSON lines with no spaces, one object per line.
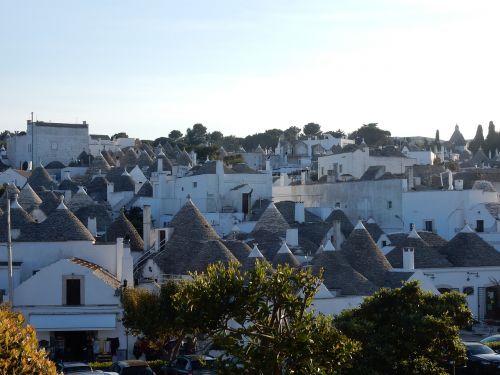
{"x":268,"y":165}
{"x":337,"y":234}
{"x":292,"y":237}
{"x":119,"y":258}
{"x":411,"y":181}
{"x":92,"y":225}
{"x":299,"y":212}
{"x":67,"y":195}
{"x":160,"y":165}
{"x":219,"y":167}
{"x":303,"y":177}
{"x":459,"y":184}
{"x":67,"y":175}
{"x":111,"y":187}
{"x":450,"y":180}
{"x":417,"y":181}
{"x":408,"y":258}
{"x":146,"y":226}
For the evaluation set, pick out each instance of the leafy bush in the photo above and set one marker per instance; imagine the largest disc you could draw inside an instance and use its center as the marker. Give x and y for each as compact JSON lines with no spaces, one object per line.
{"x":19,"y":352}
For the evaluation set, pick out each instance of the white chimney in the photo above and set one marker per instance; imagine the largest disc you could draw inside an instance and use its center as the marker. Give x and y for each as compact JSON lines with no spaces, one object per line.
{"x":459,"y":184}
{"x":299,"y":212}
{"x":450,"y":180}
{"x":111,"y":187}
{"x":146,"y":226}
{"x":337,"y":234}
{"x":92,"y":225}
{"x":408,"y":258}
{"x":119,"y":258}
{"x":67,"y":175}
{"x":160,"y":165}
{"x":268,"y":165}
{"x":303,"y":177}
{"x":292,"y":237}
{"x":67,"y":195}
{"x":219,"y":167}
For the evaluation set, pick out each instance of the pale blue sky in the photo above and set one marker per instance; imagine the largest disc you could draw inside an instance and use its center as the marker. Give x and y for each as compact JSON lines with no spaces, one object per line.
{"x":147,"y":67}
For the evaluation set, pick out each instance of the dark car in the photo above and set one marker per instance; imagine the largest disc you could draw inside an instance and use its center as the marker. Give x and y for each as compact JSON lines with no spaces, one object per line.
{"x":131,"y":367}
{"x":191,"y":365}
{"x":481,"y":359}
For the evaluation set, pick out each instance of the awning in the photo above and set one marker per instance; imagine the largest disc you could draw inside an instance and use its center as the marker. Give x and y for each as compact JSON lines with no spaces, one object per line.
{"x":73,"y":322}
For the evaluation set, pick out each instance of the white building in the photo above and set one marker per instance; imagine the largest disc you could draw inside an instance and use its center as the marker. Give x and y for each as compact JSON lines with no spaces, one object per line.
{"x":355,"y":161}
{"x":65,"y":285}
{"x":45,"y":142}
{"x":445,"y":212}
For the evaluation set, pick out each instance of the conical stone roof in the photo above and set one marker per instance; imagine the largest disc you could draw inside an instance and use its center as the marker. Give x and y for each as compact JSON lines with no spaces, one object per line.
{"x":50,"y":201}
{"x":79,"y":200}
{"x":272,"y":221}
{"x":468,"y":249}
{"x":144,"y":160}
{"x":60,"y":225}
{"x":285,"y":257}
{"x":19,"y":219}
{"x":40,"y":179}
{"x":338,"y":274}
{"x":10,"y":189}
{"x":194,"y":244}
{"x":364,"y":255}
{"x":146,"y":190}
{"x":123,"y":228}
{"x":28,"y":199}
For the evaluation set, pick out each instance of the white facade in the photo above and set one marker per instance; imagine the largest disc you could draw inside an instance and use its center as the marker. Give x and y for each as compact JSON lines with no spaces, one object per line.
{"x":356,"y":163}
{"x":45,"y":142}
{"x":422,"y":157}
{"x":212,"y":192}
{"x":380,"y":200}
{"x":96,"y":145}
{"x":447,"y":211}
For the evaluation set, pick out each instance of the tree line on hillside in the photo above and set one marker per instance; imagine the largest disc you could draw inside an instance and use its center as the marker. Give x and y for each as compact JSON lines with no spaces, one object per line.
{"x":264,"y":322}
{"x":198,"y":138}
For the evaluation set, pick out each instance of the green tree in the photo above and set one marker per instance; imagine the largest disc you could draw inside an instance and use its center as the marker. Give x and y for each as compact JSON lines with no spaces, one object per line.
{"x":311,"y":129}
{"x":292,"y":133}
{"x":215,"y":138}
{"x":371,"y":134}
{"x":478,"y":140}
{"x":196,"y":135}
{"x":155,"y":315}
{"x":491,"y":141}
{"x":263,"y":320}
{"x":119,"y":135}
{"x":231,"y":143}
{"x":406,"y":331}
{"x":175,"y":135}
{"x":267,"y":139}
{"x":339,"y":133}
{"x":19,"y":352}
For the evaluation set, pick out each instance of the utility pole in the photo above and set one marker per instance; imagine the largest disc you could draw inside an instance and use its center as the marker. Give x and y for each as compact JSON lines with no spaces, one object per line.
{"x":9,"y":254}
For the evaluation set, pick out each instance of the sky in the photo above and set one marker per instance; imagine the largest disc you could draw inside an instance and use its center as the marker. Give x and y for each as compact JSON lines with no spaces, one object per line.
{"x":148,"y":67}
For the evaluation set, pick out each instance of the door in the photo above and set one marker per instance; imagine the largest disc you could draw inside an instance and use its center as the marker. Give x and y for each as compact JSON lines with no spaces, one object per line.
{"x":246,"y":202}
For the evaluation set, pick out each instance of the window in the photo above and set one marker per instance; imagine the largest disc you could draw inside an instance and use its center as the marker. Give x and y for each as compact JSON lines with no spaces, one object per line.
{"x":384,"y":243}
{"x":337,"y":204}
{"x":389,"y":204}
{"x":429,"y":227}
{"x":340,"y":168}
{"x":480,"y":226}
{"x":195,"y":184}
{"x":53,"y":146}
{"x":72,"y":290}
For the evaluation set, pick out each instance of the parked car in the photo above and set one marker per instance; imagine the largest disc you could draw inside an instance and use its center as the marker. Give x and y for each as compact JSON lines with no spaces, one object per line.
{"x":481,"y":359}
{"x":131,"y":367}
{"x":494,"y":338}
{"x":73,"y":368}
{"x":191,"y":365}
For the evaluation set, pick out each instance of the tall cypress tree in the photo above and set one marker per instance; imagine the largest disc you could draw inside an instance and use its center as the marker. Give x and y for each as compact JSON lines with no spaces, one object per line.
{"x":491,"y":142}
{"x":478,"y":140}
